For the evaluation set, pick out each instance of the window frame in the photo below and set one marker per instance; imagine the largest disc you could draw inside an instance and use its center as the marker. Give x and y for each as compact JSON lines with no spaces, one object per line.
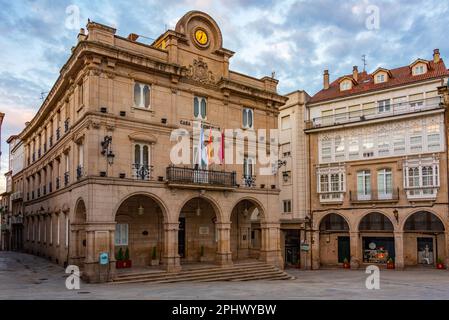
{"x":119,"y":228}
{"x":142,"y":105}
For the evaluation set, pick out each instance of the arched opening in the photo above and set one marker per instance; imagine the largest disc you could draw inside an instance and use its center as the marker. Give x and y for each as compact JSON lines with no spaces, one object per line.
{"x":334,"y":240}
{"x":424,"y":239}
{"x":197,"y":235}
{"x":139,"y":232}
{"x":245,"y":230}
{"x":78,"y":234}
{"x":376,"y":231}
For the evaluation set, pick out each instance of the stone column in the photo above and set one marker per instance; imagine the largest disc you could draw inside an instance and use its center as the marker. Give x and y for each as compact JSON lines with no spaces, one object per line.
{"x":446,"y":248}
{"x":399,"y":249}
{"x":170,"y":258}
{"x":315,"y":249}
{"x":224,"y":254}
{"x":270,"y":251}
{"x":355,"y":250}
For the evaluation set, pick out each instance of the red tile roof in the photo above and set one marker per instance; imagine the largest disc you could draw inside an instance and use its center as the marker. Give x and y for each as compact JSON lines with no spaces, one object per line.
{"x":365,"y":83}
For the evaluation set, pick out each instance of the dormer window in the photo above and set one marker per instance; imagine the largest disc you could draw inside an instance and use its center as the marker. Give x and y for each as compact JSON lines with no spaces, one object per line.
{"x":419,"y":69}
{"x":380,"y":78}
{"x":345,"y":85}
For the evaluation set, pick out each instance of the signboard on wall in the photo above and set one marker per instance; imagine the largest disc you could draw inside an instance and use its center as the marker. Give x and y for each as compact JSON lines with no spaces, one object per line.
{"x":204,"y":231}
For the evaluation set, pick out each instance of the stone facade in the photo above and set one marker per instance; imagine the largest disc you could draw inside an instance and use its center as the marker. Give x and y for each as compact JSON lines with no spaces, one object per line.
{"x":98,"y":163}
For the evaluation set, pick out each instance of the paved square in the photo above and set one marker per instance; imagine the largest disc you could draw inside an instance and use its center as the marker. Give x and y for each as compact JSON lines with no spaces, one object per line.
{"x":25,"y":276}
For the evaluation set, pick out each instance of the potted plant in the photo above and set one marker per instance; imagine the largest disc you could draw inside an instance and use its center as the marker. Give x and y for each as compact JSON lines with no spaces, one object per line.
{"x":390,"y":263}
{"x":202,"y":257}
{"x":346,"y":264}
{"x":440,"y":264}
{"x":154,"y":259}
{"x":126,"y":261}
{"x":119,"y":259}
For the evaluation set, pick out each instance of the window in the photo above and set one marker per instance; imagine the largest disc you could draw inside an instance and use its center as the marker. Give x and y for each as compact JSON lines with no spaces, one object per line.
{"x":399,"y":142}
{"x":331,"y":184}
{"x":247,"y":120}
{"x":287,"y":206}
{"x":364,"y":185}
{"x":200,"y":108}
{"x":142,"y":95}
{"x":80,"y":94}
{"x":285,"y":123}
{"x":353,"y":148}
{"x":326,"y":150}
{"x":340,"y":115}
{"x":433,"y":137}
{"x":248,"y":166}
{"x":66,"y":218}
{"x":58,"y":230}
{"x":121,"y":234}
{"x":421,"y":177}
{"x":287,"y":177}
{"x":419,"y":69}
{"x":383,"y":145}
{"x":345,"y":85}
{"x":142,"y":161}
{"x":380,"y":78}
{"x":339,"y":148}
{"x":286,"y":150}
{"x":384,"y":184}
{"x":383,"y":106}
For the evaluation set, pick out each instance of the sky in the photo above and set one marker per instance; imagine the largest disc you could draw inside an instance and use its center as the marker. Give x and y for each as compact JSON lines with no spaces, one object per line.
{"x":296,"y":39}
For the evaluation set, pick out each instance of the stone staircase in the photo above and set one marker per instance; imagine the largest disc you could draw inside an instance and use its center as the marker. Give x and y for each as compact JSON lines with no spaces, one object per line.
{"x":238,"y":272}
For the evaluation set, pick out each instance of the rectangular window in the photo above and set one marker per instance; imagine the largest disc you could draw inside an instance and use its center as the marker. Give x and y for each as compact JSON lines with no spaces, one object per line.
{"x":354,"y":148}
{"x":416,"y":144}
{"x":80,"y":94}
{"x":399,"y":143}
{"x":248,"y":118}
{"x":200,"y":108}
{"x":354,"y":112}
{"x":383,"y":106}
{"x":287,"y":206}
{"x":331,"y":185}
{"x":142,"y":167}
{"x":121,"y":234}
{"x":380,"y":78}
{"x":326,"y":150}
{"x":340,"y":115}
{"x":248,"y":166}
{"x":142,"y":94}
{"x":285,"y":123}
{"x":67,"y":223}
{"x":384,"y":184}
{"x":433,"y":137}
{"x":363,"y":185}
{"x":327,"y":117}
{"x":339,"y":147}
{"x":383,"y":145}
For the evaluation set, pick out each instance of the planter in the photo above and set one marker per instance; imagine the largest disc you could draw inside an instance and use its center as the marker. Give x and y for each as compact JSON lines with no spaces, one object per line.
{"x":123,"y":264}
{"x":440,"y":266}
{"x":203,"y":259}
{"x":154,"y":262}
{"x":346,"y":265}
{"x":390,"y":265}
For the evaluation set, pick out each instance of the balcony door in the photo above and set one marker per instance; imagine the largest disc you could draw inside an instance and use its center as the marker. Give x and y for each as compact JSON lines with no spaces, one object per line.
{"x":384,"y":184}
{"x":364,"y":185}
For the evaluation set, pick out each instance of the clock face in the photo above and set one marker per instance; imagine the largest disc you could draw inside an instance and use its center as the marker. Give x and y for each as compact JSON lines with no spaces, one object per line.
{"x":201,"y":36}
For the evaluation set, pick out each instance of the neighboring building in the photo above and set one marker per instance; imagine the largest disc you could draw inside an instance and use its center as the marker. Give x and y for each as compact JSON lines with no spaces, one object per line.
{"x":98,"y":176}
{"x":379,"y":166}
{"x":16,"y":165}
{"x":294,"y":180}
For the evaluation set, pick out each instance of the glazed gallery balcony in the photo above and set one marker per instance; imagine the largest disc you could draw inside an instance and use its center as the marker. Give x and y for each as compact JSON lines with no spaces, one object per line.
{"x":381,"y":111}
{"x":199,"y":178}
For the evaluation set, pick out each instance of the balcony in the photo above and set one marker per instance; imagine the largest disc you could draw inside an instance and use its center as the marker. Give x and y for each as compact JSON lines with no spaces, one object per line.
{"x":376,"y":113}
{"x":422,"y":193}
{"x":45,"y":147}
{"x":374,"y":196}
{"x":39,"y":153}
{"x":58,"y":183}
{"x":142,"y":171}
{"x":17,"y":196}
{"x":177,"y":176}
{"x":66,"y":179}
{"x":38,"y":192}
{"x":66,"y":125}
{"x":50,"y":187}
{"x":34,"y":156}
{"x":249,"y":181}
{"x":44,"y":190}
{"x":50,"y":141}
{"x":32,"y":195}
{"x":332,"y":196}
{"x":58,"y":134}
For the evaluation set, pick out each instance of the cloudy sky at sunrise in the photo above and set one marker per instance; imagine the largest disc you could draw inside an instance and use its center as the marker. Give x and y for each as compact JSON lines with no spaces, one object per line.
{"x":296,"y":39}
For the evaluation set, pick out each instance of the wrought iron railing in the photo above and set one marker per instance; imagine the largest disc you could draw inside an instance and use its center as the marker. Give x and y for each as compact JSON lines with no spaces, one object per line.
{"x":66,"y":178}
{"x":79,"y":172}
{"x":58,"y":133}
{"x":142,"y":171}
{"x":375,"y":195}
{"x":66,"y":125}
{"x":50,"y":187}
{"x":249,"y":181}
{"x":58,"y":183}
{"x":198,"y":176}
{"x":50,"y":141}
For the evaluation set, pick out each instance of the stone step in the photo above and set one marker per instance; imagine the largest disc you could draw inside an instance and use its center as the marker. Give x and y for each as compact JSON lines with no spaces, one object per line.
{"x":200,"y":269}
{"x":235,"y":273}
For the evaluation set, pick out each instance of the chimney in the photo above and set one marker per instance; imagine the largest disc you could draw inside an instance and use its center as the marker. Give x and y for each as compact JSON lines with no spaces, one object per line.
{"x":436,"y":55}
{"x":326,"y":79}
{"x":355,"y":73}
{"x":133,"y":37}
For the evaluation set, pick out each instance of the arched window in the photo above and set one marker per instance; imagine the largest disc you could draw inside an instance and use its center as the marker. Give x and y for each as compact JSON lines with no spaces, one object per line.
{"x":142,"y":166}
{"x":333,"y":222}
{"x":142,"y":95}
{"x":424,"y":221}
{"x":375,"y":222}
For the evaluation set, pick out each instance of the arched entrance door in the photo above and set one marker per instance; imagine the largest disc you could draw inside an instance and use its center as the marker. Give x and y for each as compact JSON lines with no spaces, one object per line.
{"x":334,"y":240}
{"x":78,"y":234}
{"x":376,"y":231}
{"x":197,"y":236}
{"x":139,"y":230}
{"x":424,"y":239}
{"x":245,"y":230}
